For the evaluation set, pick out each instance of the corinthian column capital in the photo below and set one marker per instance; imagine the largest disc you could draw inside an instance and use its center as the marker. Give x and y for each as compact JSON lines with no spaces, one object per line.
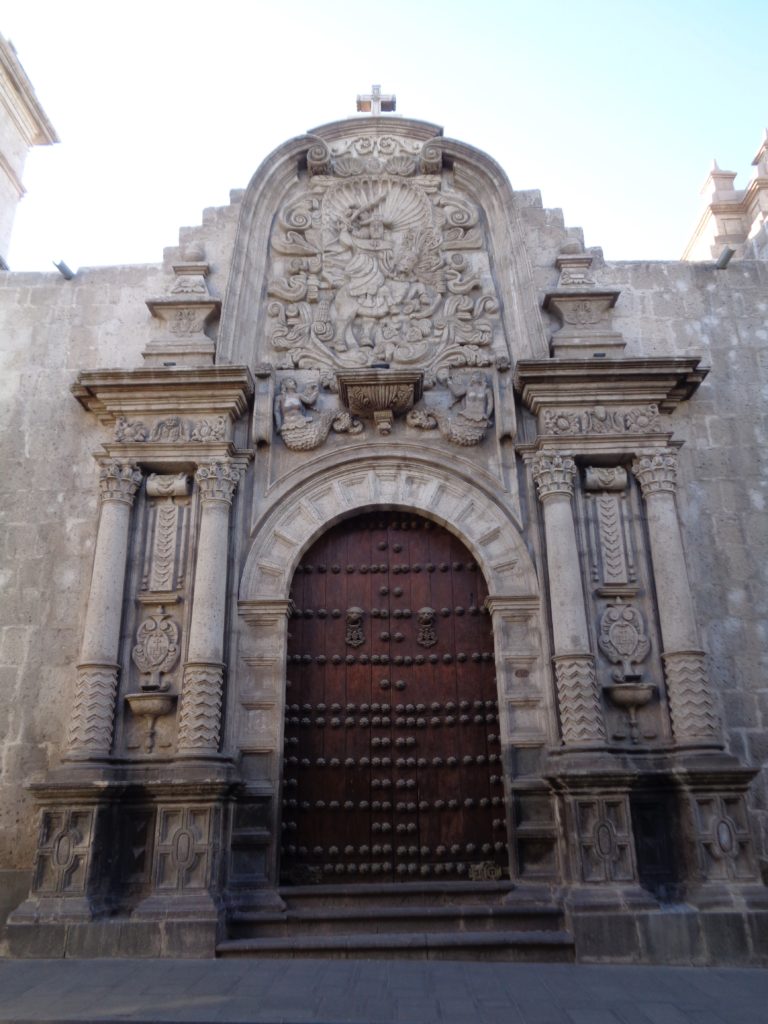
{"x":119,"y":481}
{"x":553,"y":474}
{"x":218,"y":480}
{"x":657,"y":471}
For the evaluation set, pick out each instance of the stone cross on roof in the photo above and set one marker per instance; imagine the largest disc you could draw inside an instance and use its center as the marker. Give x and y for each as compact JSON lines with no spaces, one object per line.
{"x":374,"y":103}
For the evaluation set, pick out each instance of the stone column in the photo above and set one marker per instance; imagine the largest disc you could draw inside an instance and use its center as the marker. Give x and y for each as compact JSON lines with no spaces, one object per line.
{"x":92,"y":722}
{"x":200,"y":715}
{"x":692,"y":707}
{"x":577,"y":694}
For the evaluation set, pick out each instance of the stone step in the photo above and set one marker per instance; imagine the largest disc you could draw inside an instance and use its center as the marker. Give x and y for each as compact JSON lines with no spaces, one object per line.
{"x":397,"y":893}
{"x":415,"y":917}
{"x":521,"y":946}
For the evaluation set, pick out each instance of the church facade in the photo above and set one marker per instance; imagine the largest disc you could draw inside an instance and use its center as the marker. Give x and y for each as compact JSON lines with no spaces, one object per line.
{"x":384,"y":576}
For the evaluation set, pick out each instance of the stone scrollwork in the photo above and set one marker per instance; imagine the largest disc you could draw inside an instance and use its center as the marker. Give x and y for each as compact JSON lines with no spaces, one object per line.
{"x":468,"y":424}
{"x":302,"y":430}
{"x":379,"y":261}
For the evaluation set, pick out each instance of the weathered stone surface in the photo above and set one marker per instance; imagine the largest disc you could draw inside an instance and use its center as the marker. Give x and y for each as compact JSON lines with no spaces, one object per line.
{"x":615,"y":506}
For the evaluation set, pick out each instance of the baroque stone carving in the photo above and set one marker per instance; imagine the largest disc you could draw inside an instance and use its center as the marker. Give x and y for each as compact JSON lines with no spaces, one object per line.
{"x":379,"y":394}
{"x":601,"y":420}
{"x":175,"y":486}
{"x":468,"y":425}
{"x":171,"y":430}
{"x":580,"y":712}
{"x":657,"y":471}
{"x":301,"y":430}
{"x":553,"y":474}
{"x":605,"y":478}
{"x":622,"y":639}
{"x":218,"y":480}
{"x":376,"y":263}
{"x":354,"y":635}
{"x":119,"y":481}
{"x":151,"y":705}
{"x":427,"y":637}
{"x":157,"y":649}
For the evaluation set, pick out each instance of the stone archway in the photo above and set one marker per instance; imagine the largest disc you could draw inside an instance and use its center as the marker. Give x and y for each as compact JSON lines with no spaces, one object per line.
{"x":484,"y":526}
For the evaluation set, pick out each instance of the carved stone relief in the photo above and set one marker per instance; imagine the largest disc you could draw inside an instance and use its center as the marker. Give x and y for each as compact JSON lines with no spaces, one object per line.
{"x":469,"y":415}
{"x":379,"y":260}
{"x":172,"y":430}
{"x":602,"y":420}
{"x":302,"y":429}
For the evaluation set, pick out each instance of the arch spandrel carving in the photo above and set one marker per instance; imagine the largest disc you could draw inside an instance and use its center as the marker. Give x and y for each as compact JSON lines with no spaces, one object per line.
{"x":467,"y":510}
{"x":356,"y":245}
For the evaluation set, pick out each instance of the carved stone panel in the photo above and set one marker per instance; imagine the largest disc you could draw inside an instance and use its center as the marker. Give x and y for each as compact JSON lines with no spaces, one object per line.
{"x":378,"y":259}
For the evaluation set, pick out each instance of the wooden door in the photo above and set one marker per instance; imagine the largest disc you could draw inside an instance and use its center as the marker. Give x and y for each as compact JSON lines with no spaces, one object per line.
{"x":392,"y":754}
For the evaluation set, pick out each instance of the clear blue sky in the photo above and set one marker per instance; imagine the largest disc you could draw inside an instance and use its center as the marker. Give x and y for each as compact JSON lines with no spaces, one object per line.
{"x":613,"y":110}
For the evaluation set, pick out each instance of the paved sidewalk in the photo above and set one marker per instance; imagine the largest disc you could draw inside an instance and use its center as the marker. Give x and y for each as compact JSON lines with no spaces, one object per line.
{"x":377,"y":992}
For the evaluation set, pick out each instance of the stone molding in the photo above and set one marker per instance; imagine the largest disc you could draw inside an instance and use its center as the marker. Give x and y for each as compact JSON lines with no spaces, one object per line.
{"x":553,"y":474}
{"x":657,"y":471}
{"x":299,"y":514}
{"x":663,"y":381}
{"x":156,"y":392}
{"x":119,"y":481}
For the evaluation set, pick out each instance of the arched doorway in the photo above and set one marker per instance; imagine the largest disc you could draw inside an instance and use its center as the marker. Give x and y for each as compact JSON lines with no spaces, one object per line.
{"x":392,"y":749}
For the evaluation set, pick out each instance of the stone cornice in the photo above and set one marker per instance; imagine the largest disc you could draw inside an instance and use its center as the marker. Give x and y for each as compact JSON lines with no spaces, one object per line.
{"x":23,"y":105}
{"x":157,"y":391}
{"x":553,"y":383}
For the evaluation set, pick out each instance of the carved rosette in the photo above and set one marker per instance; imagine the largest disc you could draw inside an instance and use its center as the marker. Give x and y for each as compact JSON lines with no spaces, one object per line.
{"x":578,"y":699}
{"x":200,"y":715}
{"x":119,"y":481}
{"x":656,"y":471}
{"x":553,"y":474}
{"x":691,"y":706}
{"x":91,"y":724}
{"x":218,"y":480}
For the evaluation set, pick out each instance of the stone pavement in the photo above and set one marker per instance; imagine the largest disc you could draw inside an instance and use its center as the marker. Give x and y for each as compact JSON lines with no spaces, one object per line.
{"x":378,"y":992}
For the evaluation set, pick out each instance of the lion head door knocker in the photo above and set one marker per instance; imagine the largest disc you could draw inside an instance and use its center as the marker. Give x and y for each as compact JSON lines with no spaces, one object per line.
{"x":426,"y":636}
{"x":354,"y":634}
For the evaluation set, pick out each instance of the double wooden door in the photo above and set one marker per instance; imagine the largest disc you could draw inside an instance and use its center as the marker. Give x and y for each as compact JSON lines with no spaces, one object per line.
{"x":392,"y":764}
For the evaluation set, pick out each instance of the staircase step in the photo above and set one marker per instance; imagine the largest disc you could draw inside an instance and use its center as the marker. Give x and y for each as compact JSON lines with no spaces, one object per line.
{"x":530,"y":946}
{"x":411,"y":918}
